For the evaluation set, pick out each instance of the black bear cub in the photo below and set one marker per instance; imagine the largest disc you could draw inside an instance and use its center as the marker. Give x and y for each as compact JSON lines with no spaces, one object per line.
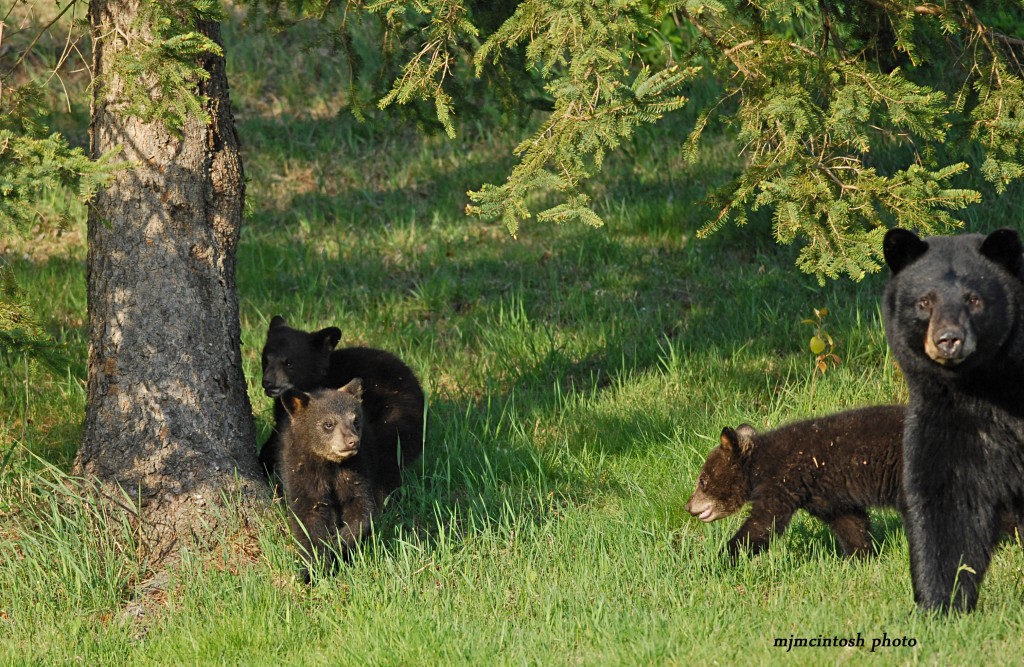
{"x":954,"y":319}
{"x":330,"y":464}
{"x":835,"y":467}
{"x":392,"y":397}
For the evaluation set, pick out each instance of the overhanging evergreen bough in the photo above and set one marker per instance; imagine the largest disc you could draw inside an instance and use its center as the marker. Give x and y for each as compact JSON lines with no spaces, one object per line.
{"x":851,"y":116}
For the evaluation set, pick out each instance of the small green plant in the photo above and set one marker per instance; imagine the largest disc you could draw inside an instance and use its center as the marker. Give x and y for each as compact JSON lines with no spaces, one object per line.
{"x":822,"y":345}
{"x":964,"y":567}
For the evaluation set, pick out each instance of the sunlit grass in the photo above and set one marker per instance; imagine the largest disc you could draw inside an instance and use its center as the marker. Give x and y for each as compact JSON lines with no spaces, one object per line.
{"x":576,"y":379}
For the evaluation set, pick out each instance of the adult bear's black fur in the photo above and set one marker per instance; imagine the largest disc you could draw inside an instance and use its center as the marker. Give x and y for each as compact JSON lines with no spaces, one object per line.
{"x":954,"y":319}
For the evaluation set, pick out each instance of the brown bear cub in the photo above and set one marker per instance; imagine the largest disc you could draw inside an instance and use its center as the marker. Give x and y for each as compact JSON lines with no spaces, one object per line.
{"x":835,"y":467}
{"x":392,"y":397}
{"x":330,"y":464}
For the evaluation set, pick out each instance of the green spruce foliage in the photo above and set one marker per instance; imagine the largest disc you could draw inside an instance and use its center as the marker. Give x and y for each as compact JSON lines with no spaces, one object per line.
{"x":859,"y":116}
{"x":851,"y":116}
{"x":35,"y":162}
{"x":158,"y":76}
{"x":582,"y":50}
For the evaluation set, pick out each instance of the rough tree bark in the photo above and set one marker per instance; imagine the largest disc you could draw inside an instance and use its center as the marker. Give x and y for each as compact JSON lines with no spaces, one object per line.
{"x":167,"y":418}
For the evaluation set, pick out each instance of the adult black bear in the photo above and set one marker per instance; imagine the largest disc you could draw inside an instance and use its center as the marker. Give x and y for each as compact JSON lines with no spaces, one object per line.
{"x":392,"y":396}
{"x":954,"y":319}
{"x":835,"y":467}
{"x":330,"y":464}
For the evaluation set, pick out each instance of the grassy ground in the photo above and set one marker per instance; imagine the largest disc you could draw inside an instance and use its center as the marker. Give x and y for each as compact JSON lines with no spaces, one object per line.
{"x":576,"y":379}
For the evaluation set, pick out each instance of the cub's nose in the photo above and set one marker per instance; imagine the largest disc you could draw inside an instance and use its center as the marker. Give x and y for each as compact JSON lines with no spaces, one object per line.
{"x":345,"y":448}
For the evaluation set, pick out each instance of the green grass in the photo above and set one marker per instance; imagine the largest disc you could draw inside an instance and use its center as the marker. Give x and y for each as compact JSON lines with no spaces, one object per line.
{"x":576,"y":379}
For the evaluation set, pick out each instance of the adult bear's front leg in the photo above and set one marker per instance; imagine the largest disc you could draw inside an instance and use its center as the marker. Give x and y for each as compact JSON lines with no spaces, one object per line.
{"x":951,"y":537}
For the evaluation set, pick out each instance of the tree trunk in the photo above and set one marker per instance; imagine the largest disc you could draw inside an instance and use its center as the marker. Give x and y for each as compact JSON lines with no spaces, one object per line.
{"x":167,"y":418}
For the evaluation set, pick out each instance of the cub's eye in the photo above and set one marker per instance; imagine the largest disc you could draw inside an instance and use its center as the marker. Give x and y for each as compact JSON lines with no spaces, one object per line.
{"x":357,"y":422}
{"x":924,"y":302}
{"x":328,"y":426}
{"x":287,"y":363}
{"x":703,"y":481}
{"x":973,"y":301}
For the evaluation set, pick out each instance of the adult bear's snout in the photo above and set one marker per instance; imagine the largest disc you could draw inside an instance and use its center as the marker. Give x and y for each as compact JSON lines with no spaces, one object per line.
{"x":948,"y":345}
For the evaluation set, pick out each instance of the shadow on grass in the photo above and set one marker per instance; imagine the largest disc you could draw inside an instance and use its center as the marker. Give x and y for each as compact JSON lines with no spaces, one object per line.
{"x":363,"y":227}
{"x":510,"y":332}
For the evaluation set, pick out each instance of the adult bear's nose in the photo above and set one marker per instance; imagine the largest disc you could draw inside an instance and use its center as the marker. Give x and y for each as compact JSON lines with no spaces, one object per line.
{"x":950,"y":342}
{"x":949,"y":345}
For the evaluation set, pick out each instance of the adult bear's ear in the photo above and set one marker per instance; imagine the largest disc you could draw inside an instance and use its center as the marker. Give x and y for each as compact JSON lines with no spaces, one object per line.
{"x":901,"y":247}
{"x":294,"y":401}
{"x":327,"y":338}
{"x":277,"y":321}
{"x":1003,"y":247}
{"x":354,"y":387}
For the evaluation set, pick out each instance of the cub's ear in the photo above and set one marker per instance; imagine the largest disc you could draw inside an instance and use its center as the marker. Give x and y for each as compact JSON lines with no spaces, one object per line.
{"x":738,"y":442}
{"x":730,"y":442}
{"x":902,"y":247}
{"x":1003,"y":247}
{"x":354,"y":387}
{"x":294,"y":401}
{"x":277,"y":321}
{"x":745,"y":435}
{"x":326,"y":338}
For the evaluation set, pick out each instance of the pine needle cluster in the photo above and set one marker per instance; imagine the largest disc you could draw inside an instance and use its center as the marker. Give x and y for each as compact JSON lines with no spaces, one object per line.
{"x":855,"y":117}
{"x":852,"y":116}
{"x":34,"y":163}
{"x":583,"y":50}
{"x":163,"y":61}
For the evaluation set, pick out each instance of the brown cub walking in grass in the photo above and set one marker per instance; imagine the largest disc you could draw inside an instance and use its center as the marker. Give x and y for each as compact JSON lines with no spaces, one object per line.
{"x":331,"y":461}
{"x":835,"y":467}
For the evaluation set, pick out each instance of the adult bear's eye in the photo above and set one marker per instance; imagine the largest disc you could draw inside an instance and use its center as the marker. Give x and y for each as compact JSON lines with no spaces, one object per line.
{"x":703,"y":481}
{"x":973,"y":301}
{"x":924,"y":303}
{"x":328,"y":426}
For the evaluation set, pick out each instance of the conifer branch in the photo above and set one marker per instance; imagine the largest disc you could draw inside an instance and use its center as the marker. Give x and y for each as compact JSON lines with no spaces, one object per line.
{"x":42,"y":31}
{"x":750,"y":42}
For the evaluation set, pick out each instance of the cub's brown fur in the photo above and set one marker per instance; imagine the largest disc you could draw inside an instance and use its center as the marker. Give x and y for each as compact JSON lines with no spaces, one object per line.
{"x":393,"y":401}
{"x":834,"y":467}
{"x":331,"y":461}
